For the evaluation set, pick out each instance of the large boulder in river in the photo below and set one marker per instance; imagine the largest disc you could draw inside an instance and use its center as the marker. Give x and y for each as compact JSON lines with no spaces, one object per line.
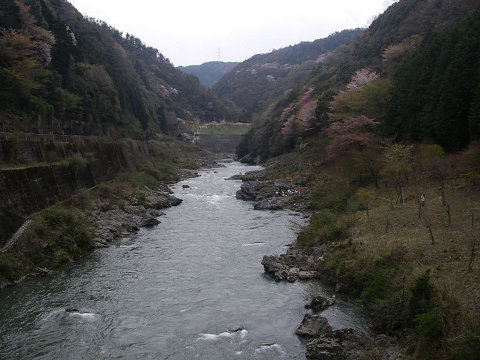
{"x":295,"y":264}
{"x":256,"y":190}
{"x":319,"y":303}
{"x":273,"y":203}
{"x":313,"y":325}
{"x":160,"y":200}
{"x":149,"y":222}
{"x":115,"y":222}
{"x":259,"y":190}
{"x":338,"y":345}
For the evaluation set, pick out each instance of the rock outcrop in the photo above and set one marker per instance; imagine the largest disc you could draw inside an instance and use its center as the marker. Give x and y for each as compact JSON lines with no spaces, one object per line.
{"x":338,"y":345}
{"x":319,"y":303}
{"x":325,"y":343}
{"x":271,"y":196}
{"x":313,"y":325}
{"x":344,"y":344}
{"x":114,"y":222}
{"x":295,"y":264}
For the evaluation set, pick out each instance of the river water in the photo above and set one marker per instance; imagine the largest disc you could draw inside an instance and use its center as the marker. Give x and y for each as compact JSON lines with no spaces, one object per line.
{"x":172,"y":291}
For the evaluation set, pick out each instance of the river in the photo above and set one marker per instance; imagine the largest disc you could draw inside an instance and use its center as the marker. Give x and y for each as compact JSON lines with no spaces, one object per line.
{"x":172,"y":291}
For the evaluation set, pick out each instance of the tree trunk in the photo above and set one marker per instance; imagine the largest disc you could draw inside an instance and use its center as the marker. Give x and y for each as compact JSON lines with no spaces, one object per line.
{"x":443,"y":194}
{"x":472,"y":257}
{"x":431,"y":234}
{"x":449,"y":215}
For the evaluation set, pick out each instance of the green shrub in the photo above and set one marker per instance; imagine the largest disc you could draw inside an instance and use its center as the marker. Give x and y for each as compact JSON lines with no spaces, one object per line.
{"x":378,"y":285}
{"x":430,"y":325}
{"x":421,"y":298}
{"x":82,"y":200}
{"x":331,"y":194}
{"x":67,"y":225}
{"x":10,"y":267}
{"x":140,"y":179}
{"x":58,"y":235}
{"x":76,"y":163}
{"x":324,"y":226}
{"x":160,"y":171}
{"x":470,"y":349}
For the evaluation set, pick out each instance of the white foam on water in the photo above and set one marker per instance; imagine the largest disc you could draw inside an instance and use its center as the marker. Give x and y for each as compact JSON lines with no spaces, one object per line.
{"x":85,"y":315}
{"x":224,"y":335}
{"x":215,"y":337}
{"x":53,"y":314}
{"x":254,"y":244}
{"x":274,"y":347}
{"x":214,"y":199}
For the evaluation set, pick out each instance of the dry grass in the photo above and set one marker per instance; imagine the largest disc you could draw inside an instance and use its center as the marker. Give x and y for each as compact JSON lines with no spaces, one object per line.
{"x":457,"y":284}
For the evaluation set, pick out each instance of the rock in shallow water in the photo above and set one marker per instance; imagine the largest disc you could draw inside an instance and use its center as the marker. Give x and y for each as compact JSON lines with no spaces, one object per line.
{"x":149,"y":222}
{"x":319,"y":303}
{"x":338,"y":345}
{"x":273,"y":203}
{"x":313,"y":325}
{"x":293,"y":265}
{"x":114,"y":221}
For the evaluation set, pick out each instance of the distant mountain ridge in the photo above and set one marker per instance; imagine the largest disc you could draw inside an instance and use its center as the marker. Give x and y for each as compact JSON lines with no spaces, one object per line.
{"x":210,"y":72}
{"x":63,"y":73}
{"x":257,"y":82}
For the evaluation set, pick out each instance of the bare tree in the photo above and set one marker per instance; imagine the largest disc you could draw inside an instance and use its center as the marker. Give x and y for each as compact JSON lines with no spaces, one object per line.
{"x":473,"y":237}
{"x":427,"y":221}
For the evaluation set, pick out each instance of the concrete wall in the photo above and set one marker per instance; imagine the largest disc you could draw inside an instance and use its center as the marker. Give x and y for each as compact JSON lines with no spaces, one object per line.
{"x":53,"y":172}
{"x":219,"y":143}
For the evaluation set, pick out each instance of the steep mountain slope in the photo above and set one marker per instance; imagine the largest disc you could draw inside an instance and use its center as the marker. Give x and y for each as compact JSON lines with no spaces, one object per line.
{"x":210,"y":72}
{"x":385,"y":123}
{"x":398,"y":58}
{"x":63,"y":73}
{"x":258,"y":81}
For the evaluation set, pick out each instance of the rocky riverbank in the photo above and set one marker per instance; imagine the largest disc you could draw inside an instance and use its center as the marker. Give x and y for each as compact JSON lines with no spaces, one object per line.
{"x":89,"y":219}
{"x":268,"y":195}
{"x":143,"y":210}
{"x":106,"y":216}
{"x":299,"y":264}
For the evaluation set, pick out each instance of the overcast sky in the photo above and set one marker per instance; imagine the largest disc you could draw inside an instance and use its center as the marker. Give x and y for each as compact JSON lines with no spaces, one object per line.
{"x":191,"y":32}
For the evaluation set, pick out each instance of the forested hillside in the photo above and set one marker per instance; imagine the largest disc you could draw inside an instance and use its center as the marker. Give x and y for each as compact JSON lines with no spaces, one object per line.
{"x":63,"y":73}
{"x":210,"y":72}
{"x":257,"y":82}
{"x":385,"y":136}
{"x":415,"y":71}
